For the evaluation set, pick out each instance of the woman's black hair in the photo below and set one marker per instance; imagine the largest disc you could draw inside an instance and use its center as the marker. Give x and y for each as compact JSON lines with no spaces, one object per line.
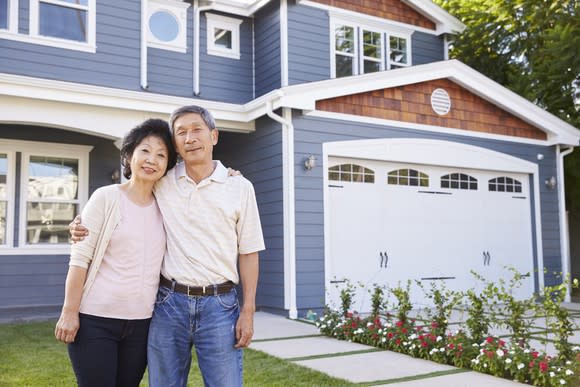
{"x":151,"y":127}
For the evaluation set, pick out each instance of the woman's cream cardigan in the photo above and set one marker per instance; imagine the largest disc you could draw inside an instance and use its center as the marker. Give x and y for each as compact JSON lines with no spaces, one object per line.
{"x":100,"y":216}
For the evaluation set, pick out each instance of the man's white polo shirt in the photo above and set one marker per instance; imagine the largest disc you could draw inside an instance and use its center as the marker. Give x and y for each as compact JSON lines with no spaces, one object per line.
{"x":208,"y":224}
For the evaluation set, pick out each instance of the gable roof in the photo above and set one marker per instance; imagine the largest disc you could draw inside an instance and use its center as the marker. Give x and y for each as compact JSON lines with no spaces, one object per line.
{"x":305,"y":96}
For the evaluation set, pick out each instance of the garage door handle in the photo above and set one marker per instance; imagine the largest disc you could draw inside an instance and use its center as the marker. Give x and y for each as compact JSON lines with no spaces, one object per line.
{"x":486,"y":258}
{"x":384,"y":260}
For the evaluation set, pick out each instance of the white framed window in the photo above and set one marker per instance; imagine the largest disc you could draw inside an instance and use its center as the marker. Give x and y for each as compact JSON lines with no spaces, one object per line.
{"x":9,"y":16}
{"x":53,"y":187}
{"x":361,"y":48}
{"x":351,"y":173}
{"x":167,"y":25}
{"x":64,"y":23}
{"x":223,"y":36}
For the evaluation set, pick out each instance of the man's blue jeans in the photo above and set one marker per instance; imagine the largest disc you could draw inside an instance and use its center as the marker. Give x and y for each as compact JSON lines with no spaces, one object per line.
{"x":208,"y":323}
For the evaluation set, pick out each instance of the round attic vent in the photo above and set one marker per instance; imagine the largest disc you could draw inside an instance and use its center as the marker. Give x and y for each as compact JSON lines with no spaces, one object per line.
{"x":440,"y":102}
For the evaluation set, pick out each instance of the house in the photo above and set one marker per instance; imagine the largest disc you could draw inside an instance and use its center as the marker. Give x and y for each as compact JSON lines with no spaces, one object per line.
{"x":374,"y":157}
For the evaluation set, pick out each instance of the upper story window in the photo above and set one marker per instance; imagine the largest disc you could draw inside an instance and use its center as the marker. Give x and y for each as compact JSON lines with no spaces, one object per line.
{"x":505,"y":184}
{"x":459,"y":181}
{"x":167,"y":25}
{"x":360,"y":49}
{"x":223,"y":36}
{"x":52,"y":186}
{"x":351,"y":172}
{"x":9,"y":15}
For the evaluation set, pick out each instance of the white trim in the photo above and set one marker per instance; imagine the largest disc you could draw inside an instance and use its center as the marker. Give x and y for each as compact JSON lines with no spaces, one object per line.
{"x":178,"y":10}
{"x":225,"y":23}
{"x":539,"y":241}
{"x":143,"y":48}
{"x":429,"y":152}
{"x":10,"y":194}
{"x":284,"y":42}
{"x":36,"y":38}
{"x":445,"y":22}
{"x":422,"y":127}
{"x":562,"y":216}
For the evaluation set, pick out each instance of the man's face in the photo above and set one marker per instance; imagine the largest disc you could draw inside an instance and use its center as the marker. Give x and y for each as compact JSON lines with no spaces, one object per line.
{"x":194,"y":141}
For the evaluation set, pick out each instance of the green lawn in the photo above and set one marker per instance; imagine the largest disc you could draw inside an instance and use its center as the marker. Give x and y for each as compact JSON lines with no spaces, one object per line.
{"x":30,"y":356}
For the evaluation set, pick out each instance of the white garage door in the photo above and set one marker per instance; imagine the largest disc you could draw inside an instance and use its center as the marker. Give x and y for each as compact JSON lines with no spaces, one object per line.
{"x":393,"y":222}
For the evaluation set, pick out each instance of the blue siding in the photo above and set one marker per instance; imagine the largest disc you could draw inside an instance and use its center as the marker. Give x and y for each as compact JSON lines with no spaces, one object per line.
{"x":225,"y":79}
{"x":39,"y":279}
{"x":259,"y":157}
{"x":311,"y":132}
{"x":308,"y":44}
{"x":267,"y":47}
{"x":427,"y":48}
{"x":115,"y":64}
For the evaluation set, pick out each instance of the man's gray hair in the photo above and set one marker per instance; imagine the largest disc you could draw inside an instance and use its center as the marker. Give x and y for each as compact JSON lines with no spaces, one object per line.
{"x":206,"y":116}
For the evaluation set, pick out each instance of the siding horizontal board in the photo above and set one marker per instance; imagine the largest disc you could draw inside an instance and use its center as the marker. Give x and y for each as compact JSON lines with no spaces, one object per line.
{"x":426,"y":48}
{"x":267,"y":49}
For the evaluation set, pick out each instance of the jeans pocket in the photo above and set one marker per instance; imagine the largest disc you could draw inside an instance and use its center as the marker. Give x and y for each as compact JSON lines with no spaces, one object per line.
{"x":162,"y":295}
{"x":228,"y":300}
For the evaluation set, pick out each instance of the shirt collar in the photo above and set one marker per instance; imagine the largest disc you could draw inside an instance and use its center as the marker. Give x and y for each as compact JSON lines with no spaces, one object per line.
{"x":219,"y":175}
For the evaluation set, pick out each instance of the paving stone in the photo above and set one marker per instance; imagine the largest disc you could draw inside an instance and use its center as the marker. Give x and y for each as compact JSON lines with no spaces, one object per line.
{"x":269,"y":326}
{"x":307,"y":346}
{"x":473,"y":379}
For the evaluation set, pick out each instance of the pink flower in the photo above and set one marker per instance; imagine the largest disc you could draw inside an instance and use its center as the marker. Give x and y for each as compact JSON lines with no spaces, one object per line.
{"x":489,"y":340}
{"x":452,"y":346}
{"x":390,"y":335}
{"x":501,"y":343}
{"x":489,"y":354}
{"x":535,"y":354}
{"x":399,"y":323}
{"x":543,"y":366}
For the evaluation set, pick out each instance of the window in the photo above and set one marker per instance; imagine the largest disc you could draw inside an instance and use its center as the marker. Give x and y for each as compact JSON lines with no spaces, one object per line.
{"x":9,"y":15}
{"x":410,"y":177}
{"x":52,"y":184}
{"x":223,"y":36}
{"x":360,"y":49}
{"x":167,"y":25}
{"x":459,"y":181}
{"x":351,"y":172}
{"x":505,"y":184}
{"x":63,"y":23}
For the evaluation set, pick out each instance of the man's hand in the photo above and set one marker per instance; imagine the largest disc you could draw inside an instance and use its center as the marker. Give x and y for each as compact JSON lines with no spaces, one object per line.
{"x":78,"y":232}
{"x":67,"y":327}
{"x":244,"y":329}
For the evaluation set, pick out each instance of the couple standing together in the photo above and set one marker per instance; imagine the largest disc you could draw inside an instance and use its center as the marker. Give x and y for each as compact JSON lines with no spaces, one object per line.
{"x":192,"y":222}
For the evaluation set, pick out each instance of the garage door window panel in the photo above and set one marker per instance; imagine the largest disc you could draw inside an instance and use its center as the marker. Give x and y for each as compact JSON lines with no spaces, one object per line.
{"x":351,"y":173}
{"x":459,"y":181}
{"x":409,"y":177}
{"x":505,"y":184}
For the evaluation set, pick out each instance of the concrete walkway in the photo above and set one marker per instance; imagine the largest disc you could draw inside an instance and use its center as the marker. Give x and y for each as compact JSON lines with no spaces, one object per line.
{"x":301,"y":343}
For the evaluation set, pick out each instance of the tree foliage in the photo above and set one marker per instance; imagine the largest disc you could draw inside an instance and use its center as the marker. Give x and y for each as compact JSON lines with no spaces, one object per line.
{"x":531,"y":47}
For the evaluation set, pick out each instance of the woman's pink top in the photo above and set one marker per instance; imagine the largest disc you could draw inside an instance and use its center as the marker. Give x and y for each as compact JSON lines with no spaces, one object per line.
{"x":128,"y":278}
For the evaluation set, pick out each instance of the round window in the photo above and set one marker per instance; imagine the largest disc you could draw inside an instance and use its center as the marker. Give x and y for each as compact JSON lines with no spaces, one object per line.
{"x":164,"y":26}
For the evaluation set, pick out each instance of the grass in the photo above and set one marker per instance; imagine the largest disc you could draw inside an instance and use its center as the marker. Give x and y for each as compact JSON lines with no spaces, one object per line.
{"x":30,"y":356}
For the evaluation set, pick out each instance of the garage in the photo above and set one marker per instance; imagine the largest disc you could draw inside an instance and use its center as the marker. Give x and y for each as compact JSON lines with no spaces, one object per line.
{"x":392,"y":221}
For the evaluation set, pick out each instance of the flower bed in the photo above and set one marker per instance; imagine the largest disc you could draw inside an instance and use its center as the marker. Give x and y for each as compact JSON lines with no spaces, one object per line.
{"x":472,"y":347}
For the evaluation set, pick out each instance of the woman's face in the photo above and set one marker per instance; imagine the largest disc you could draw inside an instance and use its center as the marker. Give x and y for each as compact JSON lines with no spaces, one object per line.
{"x":149,"y":159}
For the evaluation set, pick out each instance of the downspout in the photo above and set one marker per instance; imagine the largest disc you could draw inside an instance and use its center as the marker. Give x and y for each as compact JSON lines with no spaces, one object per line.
{"x":144,"y":29}
{"x":564,"y":234}
{"x":284,"y":43}
{"x":197,"y":10}
{"x":288,"y":207}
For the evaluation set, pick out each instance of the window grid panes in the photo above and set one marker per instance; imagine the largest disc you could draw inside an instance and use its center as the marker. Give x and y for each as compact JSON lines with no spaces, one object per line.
{"x":352,"y":173}
{"x":397,"y":52}
{"x":4,"y":14}
{"x":410,"y":177}
{"x":222,"y":38}
{"x":505,"y":184}
{"x":345,"y":50}
{"x":459,"y":181}
{"x":63,"y":21}
{"x":52,"y":200}
{"x":372,"y":51}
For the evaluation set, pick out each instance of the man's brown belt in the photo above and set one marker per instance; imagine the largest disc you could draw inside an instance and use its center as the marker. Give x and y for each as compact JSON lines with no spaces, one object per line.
{"x":209,"y":290}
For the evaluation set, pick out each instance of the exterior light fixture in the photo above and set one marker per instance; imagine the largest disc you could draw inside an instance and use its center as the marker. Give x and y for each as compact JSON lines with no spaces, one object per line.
{"x":310,"y":162}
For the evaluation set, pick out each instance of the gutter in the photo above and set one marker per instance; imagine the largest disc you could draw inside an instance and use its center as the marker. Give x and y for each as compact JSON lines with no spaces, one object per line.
{"x":197,"y":10}
{"x":144,"y":28}
{"x":564,"y":232}
{"x":288,"y":206}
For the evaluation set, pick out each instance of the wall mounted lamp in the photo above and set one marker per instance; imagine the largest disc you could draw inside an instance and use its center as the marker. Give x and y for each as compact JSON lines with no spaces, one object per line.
{"x":551,"y":182}
{"x":116,"y":176}
{"x":310,"y":162}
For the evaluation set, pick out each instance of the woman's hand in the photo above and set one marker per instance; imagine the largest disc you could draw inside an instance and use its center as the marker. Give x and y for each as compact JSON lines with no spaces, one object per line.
{"x":78,"y":232}
{"x":67,"y":327}
{"x":231,"y":172}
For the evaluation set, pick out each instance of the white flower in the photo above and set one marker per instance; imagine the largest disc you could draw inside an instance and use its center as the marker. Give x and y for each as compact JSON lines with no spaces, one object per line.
{"x":526,"y":350}
{"x":380,"y":331}
{"x":499,"y":352}
{"x":476,"y":361}
{"x":413,"y":346}
{"x":413,"y":337}
{"x":323,"y":326}
{"x":520,"y":366}
{"x":369,"y":324}
{"x":508,"y":361}
{"x":568,"y":362}
{"x":442,"y":349}
{"x":439,"y":338}
{"x":383,"y":339}
{"x":474,"y":345}
{"x":485,"y":365}
{"x":576,"y":348}
{"x":562,"y":381}
{"x":552,"y":374}
{"x":568,"y":373}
